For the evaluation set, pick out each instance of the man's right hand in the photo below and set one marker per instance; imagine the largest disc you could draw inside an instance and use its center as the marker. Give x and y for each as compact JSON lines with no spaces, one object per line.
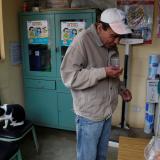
{"x":113,"y":72}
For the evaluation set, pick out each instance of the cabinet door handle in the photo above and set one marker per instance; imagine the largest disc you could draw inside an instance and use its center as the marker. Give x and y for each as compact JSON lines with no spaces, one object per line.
{"x":56,"y":49}
{"x":55,"y":85}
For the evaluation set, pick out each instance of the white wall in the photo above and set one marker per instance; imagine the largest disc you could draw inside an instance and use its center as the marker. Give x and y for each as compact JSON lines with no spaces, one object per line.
{"x":138,"y":76}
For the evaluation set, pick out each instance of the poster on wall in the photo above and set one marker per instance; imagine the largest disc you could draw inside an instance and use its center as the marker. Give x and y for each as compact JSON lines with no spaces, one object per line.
{"x":139,"y":16}
{"x":69,"y":29}
{"x":15,"y":53}
{"x":158,"y":25}
{"x":37,"y":32}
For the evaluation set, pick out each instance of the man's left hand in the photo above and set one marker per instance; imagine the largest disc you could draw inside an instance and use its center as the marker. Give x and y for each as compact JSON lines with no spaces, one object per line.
{"x":126,"y":95}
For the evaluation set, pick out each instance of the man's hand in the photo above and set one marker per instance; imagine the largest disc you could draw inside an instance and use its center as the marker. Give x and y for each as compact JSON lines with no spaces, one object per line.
{"x":113,"y":72}
{"x":126,"y":95}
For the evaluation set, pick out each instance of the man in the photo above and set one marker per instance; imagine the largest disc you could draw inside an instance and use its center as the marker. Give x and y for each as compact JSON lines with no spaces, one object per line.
{"x":86,"y":69}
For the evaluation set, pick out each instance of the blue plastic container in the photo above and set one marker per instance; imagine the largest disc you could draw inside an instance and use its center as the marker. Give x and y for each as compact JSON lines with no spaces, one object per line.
{"x":149,"y":117}
{"x":153,"y":65}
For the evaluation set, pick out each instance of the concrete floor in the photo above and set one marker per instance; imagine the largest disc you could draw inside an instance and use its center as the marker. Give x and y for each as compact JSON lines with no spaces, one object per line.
{"x":54,"y":145}
{"x":61,"y":145}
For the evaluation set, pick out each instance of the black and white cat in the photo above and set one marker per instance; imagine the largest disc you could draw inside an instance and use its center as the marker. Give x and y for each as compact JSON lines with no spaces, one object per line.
{"x":12,"y":115}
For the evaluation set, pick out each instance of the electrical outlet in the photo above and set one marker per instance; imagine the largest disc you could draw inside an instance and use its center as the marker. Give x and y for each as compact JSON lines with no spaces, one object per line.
{"x":136,"y":109}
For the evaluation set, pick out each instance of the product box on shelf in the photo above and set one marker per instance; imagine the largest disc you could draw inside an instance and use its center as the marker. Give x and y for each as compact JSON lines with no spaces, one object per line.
{"x":152,"y":91}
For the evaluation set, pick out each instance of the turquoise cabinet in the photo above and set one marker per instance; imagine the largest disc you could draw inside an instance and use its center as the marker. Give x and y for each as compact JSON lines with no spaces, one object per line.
{"x":45,"y":37}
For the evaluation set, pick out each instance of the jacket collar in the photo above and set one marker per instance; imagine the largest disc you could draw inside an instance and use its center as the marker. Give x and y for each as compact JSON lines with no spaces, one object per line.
{"x":96,"y":36}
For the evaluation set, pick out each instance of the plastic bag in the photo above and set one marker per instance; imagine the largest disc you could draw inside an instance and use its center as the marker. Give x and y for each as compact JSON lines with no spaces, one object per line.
{"x":100,"y":4}
{"x":139,"y":15}
{"x":152,"y":150}
{"x":57,"y":3}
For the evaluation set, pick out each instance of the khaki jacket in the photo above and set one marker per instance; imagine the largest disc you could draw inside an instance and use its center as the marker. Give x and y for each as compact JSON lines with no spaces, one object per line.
{"x":95,"y":96}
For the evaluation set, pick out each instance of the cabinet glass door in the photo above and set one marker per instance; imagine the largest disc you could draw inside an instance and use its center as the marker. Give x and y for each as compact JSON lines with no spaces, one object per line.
{"x":67,"y":27}
{"x":38,"y":46}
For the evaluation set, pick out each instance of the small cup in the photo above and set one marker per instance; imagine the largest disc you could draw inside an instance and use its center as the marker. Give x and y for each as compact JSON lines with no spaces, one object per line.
{"x":35,"y":9}
{"x":115,"y":62}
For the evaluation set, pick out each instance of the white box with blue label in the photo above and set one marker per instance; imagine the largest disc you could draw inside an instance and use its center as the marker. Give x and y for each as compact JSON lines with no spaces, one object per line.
{"x":152,"y":91}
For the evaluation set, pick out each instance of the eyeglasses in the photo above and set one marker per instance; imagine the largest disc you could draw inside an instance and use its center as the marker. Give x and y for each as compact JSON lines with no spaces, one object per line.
{"x":115,"y":36}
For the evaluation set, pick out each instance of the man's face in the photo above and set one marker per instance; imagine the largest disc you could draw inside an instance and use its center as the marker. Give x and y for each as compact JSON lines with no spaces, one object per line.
{"x":109,"y":38}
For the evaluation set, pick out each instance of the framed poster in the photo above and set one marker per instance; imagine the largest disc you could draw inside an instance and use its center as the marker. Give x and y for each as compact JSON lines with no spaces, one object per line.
{"x":139,"y":16}
{"x":15,"y":53}
{"x":37,"y":32}
{"x":69,"y":29}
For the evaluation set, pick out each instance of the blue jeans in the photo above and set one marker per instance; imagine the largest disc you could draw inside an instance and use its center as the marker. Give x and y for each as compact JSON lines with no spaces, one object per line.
{"x":92,"y":138}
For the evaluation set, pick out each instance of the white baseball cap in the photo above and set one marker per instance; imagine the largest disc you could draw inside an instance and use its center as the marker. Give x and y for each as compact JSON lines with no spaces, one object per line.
{"x":116,"y":20}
